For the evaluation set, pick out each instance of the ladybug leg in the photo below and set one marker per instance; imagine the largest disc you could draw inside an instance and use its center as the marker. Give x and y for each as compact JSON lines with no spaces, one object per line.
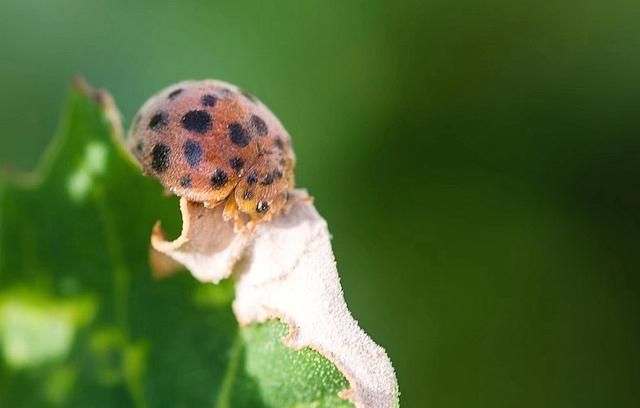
{"x":232,"y":212}
{"x":230,"y":209}
{"x":212,"y":204}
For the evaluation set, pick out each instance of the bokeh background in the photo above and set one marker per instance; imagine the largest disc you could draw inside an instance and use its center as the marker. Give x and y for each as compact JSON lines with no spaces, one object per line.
{"x":478,"y":164}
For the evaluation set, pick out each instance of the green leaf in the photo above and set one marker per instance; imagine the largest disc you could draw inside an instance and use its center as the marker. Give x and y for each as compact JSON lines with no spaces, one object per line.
{"x":82,"y":321}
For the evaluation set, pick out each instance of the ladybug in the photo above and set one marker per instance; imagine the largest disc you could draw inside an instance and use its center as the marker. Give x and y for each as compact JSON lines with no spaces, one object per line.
{"x":212,"y":142}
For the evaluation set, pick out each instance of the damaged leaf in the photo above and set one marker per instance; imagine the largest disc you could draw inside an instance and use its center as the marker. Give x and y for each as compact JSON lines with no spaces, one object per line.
{"x":285,"y":269}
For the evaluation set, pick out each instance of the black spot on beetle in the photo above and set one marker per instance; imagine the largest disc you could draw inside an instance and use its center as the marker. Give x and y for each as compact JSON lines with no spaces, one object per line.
{"x":175,"y":93}
{"x":160,"y":160}
{"x":185,"y":181}
{"x":247,"y":195}
{"x":192,"y":152}
{"x":236,"y":163}
{"x":140,"y":146}
{"x":158,"y":121}
{"x":267,"y":180}
{"x":252,"y":178}
{"x":219,"y":178}
{"x":208,"y":100}
{"x":259,"y":125}
{"x":277,"y":174}
{"x":262,"y":207}
{"x":197,"y":121}
{"x":238,"y":135}
{"x":279,"y":143}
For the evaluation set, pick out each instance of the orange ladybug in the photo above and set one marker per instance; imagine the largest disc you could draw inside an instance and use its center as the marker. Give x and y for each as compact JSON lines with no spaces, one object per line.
{"x":211,"y":142}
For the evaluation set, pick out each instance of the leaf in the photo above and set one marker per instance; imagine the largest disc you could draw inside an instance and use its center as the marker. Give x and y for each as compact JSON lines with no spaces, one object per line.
{"x":285,"y":269}
{"x":82,"y":323}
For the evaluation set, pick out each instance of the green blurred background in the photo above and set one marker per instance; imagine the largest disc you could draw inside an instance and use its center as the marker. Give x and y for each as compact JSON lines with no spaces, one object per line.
{"x":478,"y":164}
